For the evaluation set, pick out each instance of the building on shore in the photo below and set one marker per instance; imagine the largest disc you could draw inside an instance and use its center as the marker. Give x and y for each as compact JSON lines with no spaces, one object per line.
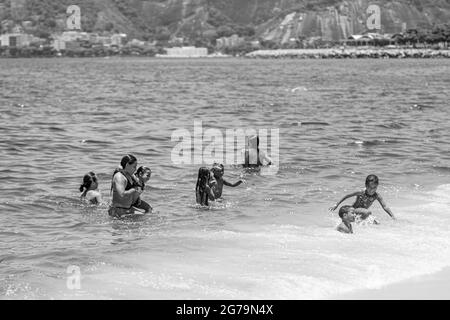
{"x":136,"y":43}
{"x":229,"y":42}
{"x":74,"y":40}
{"x":118,"y":40}
{"x":17,"y":40}
{"x":186,"y":52}
{"x":370,"y":39}
{"x":74,"y":36}
{"x":59,"y":45}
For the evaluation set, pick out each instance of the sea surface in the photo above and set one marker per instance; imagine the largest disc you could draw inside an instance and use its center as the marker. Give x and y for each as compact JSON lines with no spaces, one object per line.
{"x":270,"y":238}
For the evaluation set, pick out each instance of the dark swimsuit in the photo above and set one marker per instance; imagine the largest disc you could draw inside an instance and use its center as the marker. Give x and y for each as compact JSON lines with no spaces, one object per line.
{"x":129,"y":186}
{"x":365,"y":200}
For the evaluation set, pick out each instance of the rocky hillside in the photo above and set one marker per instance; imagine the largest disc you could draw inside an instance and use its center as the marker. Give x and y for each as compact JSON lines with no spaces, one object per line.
{"x":277,"y":20}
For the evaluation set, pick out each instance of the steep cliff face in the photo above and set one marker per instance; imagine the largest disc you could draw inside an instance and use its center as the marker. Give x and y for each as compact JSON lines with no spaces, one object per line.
{"x":351,"y":17}
{"x":280,"y":20}
{"x":277,"y":20}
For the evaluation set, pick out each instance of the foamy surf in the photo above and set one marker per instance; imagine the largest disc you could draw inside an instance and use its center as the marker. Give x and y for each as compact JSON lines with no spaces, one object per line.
{"x":273,"y":261}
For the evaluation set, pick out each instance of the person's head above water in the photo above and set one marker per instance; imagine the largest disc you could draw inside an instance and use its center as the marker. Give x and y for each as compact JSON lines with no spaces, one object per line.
{"x":144,"y":173}
{"x":90,"y":182}
{"x":129,"y":163}
{"x":372,"y":183}
{"x":346,"y":213}
{"x":218,"y":169}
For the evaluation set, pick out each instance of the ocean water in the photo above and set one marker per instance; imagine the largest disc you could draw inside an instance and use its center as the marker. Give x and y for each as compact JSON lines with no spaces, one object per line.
{"x":271,"y":238}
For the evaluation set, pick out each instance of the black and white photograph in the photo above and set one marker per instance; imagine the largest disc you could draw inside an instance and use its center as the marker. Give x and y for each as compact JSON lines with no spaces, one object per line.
{"x":225,"y":150}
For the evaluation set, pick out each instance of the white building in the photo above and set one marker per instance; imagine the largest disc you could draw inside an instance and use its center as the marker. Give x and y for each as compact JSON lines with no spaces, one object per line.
{"x":229,"y":42}
{"x":15,"y":40}
{"x":73,"y":36}
{"x":187,"y":52}
{"x":59,"y":45}
{"x":118,"y":39}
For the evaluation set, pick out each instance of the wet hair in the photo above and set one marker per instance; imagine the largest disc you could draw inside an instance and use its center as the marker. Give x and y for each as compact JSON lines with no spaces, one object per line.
{"x":128,"y":159}
{"x":202,"y":181}
{"x":216,"y":166}
{"x":88,"y":179}
{"x":141,"y":170}
{"x":371,"y":178}
{"x":344,"y":210}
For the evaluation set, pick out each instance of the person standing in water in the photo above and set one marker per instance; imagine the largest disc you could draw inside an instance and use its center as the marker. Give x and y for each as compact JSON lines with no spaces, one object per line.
{"x":89,"y":189}
{"x":204,"y":189}
{"x":365,"y":199}
{"x":124,"y":190}
{"x":218,"y":170}
{"x":254,"y":157}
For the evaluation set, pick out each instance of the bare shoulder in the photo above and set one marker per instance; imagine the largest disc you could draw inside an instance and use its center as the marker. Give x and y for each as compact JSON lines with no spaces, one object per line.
{"x":119,"y":177}
{"x":358,"y":193}
{"x":343,"y":229}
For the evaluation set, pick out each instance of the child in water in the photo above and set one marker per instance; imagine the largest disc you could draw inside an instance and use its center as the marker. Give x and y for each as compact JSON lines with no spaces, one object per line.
{"x":204,"y":189}
{"x":347,"y":215}
{"x":218,"y":170}
{"x":365,"y":198}
{"x":142,"y":176}
{"x":89,"y":189}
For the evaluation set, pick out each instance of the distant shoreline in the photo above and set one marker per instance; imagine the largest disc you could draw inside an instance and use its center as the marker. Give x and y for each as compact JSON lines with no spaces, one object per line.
{"x":350,"y":53}
{"x":324,"y":53}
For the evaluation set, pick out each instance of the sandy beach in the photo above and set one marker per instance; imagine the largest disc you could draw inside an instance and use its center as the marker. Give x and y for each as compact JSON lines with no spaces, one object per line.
{"x":430,"y":287}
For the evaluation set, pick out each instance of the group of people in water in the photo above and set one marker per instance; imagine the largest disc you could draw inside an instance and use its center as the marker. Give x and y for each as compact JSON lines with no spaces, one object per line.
{"x":128,"y":184}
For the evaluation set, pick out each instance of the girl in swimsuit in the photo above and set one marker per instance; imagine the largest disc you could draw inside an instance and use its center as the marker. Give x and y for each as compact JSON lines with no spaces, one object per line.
{"x":204,"y":189}
{"x":365,"y":199}
{"x":89,"y":189}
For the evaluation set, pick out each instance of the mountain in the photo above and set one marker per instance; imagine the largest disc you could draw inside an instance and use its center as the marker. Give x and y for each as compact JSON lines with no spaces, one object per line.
{"x":276,"y":20}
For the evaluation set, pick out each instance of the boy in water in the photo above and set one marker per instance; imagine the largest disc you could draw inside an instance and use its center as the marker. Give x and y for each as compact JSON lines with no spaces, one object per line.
{"x":218,"y":170}
{"x":365,"y":198}
{"x":347,"y":214}
{"x":141,"y":177}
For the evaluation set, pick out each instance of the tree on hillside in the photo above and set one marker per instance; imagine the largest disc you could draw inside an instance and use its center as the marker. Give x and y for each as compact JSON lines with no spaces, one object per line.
{"x":225,"y":31}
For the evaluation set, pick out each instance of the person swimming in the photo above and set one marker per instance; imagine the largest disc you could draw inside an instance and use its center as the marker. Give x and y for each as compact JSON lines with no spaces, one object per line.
{"x":254,"y":157}
{"x":142,"y":176}
{"x":204,"y":190}
{"x":123,"y":187}
{"x":347,"y":215}
{"x":89,"y":189}
{"x":218,"y":171}
{"x":365,"y":199}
